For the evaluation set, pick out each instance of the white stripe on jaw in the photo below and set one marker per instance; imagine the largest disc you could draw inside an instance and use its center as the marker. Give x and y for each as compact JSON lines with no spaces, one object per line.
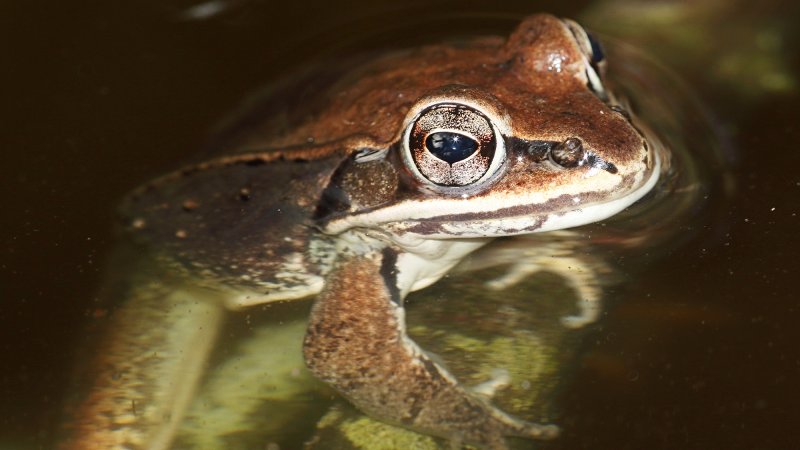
{"x":410,"y":211}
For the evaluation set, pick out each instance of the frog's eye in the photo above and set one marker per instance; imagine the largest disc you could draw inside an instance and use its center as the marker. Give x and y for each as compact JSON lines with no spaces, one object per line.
{"x":598,"y":55}
{"x":452,"y":145}
{"x":594,"y":56}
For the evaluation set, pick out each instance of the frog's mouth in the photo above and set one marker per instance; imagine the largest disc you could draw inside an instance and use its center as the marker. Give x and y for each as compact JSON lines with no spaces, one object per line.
{"x":528,"y":218}
{"x":485,"y":217}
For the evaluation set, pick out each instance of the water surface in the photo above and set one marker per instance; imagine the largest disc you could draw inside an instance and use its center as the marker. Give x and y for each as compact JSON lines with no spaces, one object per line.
{"x":700,"y":350}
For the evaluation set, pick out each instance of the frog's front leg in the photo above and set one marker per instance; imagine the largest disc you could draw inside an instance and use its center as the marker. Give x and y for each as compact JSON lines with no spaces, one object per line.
{"x":356,"y":341}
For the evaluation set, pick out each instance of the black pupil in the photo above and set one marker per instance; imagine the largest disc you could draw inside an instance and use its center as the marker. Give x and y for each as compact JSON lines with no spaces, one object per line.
{"x":451,"y":147}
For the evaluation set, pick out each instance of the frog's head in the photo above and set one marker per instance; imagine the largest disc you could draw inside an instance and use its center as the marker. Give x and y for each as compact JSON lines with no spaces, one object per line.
{"x":517,"y":138}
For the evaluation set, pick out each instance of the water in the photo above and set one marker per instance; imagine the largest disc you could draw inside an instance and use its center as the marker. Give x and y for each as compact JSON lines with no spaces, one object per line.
{"x":700,"y":351}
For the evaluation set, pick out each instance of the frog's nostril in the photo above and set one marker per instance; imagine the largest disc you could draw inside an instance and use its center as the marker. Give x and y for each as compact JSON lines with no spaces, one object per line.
{"x":569,"y":153}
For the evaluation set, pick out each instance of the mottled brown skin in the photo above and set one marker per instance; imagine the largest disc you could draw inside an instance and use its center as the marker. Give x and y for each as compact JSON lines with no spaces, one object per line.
{"x":374,"y":100}
{"x":133,"y":386}
{"x":267,"y":219}
{"x":246,"y":213}
{"x":355,"y":342}
{"x":366,"y":110}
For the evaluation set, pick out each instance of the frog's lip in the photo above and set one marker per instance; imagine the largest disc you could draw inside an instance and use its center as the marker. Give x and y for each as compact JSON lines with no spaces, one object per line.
{"x":514,"y":220}
{"x":560,"y":212}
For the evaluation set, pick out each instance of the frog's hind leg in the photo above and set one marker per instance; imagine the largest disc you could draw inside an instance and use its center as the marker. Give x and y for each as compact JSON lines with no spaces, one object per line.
{"x":144,"y":369}
{"x":356,"y":341}
{"x":527,"y":255}
{"x":580,"y":275}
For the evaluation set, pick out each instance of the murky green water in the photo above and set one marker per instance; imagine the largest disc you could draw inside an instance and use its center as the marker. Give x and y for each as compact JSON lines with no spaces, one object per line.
{"x":699,"y":351}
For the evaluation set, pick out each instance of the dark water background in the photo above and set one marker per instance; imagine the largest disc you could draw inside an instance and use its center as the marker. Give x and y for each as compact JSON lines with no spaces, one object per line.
{"x":98,"y":96}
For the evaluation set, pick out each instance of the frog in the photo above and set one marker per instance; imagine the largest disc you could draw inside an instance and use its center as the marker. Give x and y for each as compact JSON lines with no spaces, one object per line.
{"x":401,"y":170}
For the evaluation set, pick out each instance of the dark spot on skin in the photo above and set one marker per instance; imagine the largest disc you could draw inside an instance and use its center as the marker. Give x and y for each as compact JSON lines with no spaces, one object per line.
{"x":389,"y":273}
{"x":333,"y":200}
{"x":427,"y":228}
{"x":536,"y":150}
{"x":255,"y":162}
{"x":596,"y":161}
{"x":433,"y":370}
{"x":417,"y":403}
{"x":335,"y":197}
{"x":539,"y":150}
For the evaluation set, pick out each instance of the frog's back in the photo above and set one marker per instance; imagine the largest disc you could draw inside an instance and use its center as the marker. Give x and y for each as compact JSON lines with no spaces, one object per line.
{"x":242,"y":215}
{"x":244,"y":221}
{"x":246,"y":215}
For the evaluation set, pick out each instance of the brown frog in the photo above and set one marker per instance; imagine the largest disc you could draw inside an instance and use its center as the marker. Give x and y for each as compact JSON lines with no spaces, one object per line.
{"x":407,"y":166}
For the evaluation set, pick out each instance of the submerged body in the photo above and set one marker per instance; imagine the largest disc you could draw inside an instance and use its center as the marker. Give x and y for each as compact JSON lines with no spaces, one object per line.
{"x":387,"y":182}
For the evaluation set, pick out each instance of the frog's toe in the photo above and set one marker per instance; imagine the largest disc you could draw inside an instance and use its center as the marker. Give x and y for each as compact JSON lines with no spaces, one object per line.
{"x":496,"y":439}
{"x":543,"y":432}
{"x":515,"y":274}
{"x":500,"y":379}
{"x":486,"y":427}
{"x":589,"y":312}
